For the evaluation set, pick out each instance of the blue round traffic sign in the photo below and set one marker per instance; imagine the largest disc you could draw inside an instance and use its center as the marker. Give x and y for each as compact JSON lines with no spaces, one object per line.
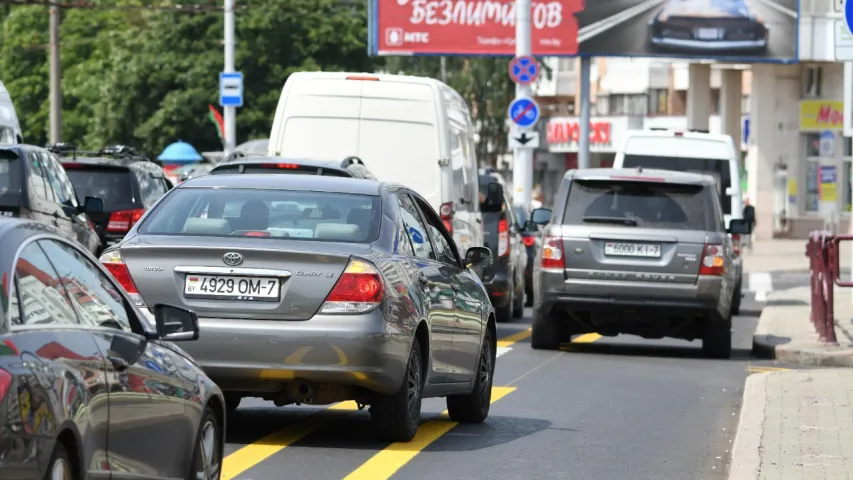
{"x":848,"y":14}
{"x":523,"y":112}
{"x":524,"y":70}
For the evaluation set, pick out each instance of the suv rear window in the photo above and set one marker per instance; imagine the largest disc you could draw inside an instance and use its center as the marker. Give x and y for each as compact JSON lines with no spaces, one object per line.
{"x":637,"y":204}
{"x":111,"y":184}
{"x":716,"y":168}
{"x":10,"y":179}
{"x":299,"y":215}
{"x":289,"y":168}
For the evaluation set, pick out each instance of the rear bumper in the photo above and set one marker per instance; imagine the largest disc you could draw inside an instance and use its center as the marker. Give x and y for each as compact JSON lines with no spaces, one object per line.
{"x":498,"y":288}
{"x":263,"y":355}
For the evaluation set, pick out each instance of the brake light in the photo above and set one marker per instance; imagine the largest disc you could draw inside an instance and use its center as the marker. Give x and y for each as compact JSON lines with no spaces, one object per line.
{"x":712,"y":261}
{"x":256,"y":234}
{"x":122,"y":220}
{"x":5,"y":382}
{"x":528,"y":241}
{"x":359,"y":289}
{"x":503,"y":238}
{"x":286,"y":166}
{"x":736,"y":243}
{"x":363,"y":77}
{"x":446,"y":213}
{"x":114,"y":264}
{"x":552,"y":254}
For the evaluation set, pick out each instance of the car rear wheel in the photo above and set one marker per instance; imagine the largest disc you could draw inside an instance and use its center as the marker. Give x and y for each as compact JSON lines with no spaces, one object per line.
{"x":397,"y":417}
{"x":207,"y":462}
{"x":232,"y":401}
{"x":504,"y":314}
{"x":717,"y":339}
{"x":736,"y":298}
{"x":528,"y":288}
{"x":474,"y":407}
{"x":59,"y":467}
{"x":518,"y":305}
{"x":545,"y":335}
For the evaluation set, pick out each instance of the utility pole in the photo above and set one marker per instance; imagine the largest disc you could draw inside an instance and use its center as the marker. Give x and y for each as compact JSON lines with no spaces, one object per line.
{"x":230,"y":113}
{"x":583,"y":134}
{"x":55,"y":77}
{"x":444,"y":69}
{"x":522,"y":171}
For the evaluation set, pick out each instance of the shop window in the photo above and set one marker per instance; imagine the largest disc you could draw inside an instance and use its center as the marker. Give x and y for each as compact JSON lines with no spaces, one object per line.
{"x":658,"y":100}
{"x":812,"y":167}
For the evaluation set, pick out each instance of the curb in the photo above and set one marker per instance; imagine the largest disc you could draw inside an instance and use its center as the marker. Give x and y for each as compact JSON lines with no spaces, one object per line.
{"x":746,"y":451}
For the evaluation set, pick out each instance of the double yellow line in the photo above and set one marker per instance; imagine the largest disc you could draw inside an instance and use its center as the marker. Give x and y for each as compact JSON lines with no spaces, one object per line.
{"x":386,"y":462}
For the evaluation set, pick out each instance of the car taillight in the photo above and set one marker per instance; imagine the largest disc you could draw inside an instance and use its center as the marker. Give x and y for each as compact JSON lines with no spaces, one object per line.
{"x":712,"y":261}
{"x":286,"y":166}
{"x":528,"y":241}
{"x":256,"y":234}
{"x":358,"y":290}
{"x":114,"y":264}
{"x":552,"y":253}
{"x":736,"y":243}
{"x":503,"y":238}
{"x":122,"y":220}
{"x":446,"y":212}
{"x":5,"y":382}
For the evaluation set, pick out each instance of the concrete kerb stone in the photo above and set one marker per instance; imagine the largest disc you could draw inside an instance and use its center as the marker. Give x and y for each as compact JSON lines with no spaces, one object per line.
{"x":746,"y":451}
{"x":785,"y":332}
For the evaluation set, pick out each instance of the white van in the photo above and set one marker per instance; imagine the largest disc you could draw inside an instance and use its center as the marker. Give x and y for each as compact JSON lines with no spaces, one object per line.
{"x":10,"y":128}
{"x":688,"y":151}
{"x":414,"y":131}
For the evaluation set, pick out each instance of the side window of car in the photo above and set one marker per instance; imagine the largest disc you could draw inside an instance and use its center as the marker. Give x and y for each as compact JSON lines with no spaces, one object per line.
{"x":415,"y":228}
{"x":145,"y":186}
{"x":39,"y":179}
{"x":14,"y":306}
{"x":65,"y":185}
{"x":437,"y":232}
{"x":97,"y":302}
{"x":44,"y":299}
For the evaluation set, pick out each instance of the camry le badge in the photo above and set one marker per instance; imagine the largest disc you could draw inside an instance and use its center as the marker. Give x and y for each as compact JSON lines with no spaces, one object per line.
{"x":232,"y":258}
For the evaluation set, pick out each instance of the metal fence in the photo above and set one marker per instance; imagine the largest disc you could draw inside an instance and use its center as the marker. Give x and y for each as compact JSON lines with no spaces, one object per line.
{"x":822,"y":250}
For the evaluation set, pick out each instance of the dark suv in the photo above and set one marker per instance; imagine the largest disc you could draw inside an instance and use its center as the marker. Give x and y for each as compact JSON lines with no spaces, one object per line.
{"x":33,"y":185}
{"x":240,"y":162}
{"x":127,"y":181}
{"x":504,"y":278}
{"x":642,"y":252}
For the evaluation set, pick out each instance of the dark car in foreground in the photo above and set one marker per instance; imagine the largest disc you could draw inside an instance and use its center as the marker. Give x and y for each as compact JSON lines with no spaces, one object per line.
{"x":88,"y":388}
{"x":703,"y":26}
{"x":33,"y":185}
{"x":240,"y":162}
{"x":642,"y":252}
{"x":127,"y":181}
{"x":504,"y":279}
{"x":316,"y":290}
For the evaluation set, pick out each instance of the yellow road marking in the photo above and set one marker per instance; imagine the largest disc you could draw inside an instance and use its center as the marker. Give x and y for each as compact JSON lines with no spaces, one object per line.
{"x":254,"y":453}
{"x":762,"y":369}
{"x":514,"y":338}
{"x":586,"y":338}
{"x":386,"y":463}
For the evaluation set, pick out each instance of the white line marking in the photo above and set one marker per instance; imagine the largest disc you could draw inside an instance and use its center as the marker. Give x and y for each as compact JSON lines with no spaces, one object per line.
{"x":780,"y":8}
{"x":606,"y":24}
{"x":502,"y":350}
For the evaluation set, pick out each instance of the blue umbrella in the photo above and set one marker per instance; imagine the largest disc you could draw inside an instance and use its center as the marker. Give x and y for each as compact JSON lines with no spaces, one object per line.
{"x":180,"y":152}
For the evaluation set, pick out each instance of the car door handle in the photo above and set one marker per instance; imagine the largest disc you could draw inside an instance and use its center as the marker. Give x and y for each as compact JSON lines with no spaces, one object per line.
{"x":119,"y":363}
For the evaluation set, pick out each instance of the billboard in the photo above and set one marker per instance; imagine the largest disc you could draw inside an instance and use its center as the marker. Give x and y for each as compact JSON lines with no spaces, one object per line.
{"x":734,"y":30}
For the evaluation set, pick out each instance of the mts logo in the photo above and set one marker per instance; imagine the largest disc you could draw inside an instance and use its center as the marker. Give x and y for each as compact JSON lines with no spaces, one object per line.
{"x":416,"y":37}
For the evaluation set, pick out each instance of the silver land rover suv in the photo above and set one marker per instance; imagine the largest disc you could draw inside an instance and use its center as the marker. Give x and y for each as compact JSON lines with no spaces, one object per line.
{"x":634,"y":251}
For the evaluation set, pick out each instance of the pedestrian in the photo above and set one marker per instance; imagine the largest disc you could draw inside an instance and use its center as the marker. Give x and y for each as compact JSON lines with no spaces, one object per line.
{"x":749,"y":218}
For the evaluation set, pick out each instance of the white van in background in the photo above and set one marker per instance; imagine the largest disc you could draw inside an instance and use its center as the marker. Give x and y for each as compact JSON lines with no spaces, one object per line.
{"x":415,"y":131}
{"x":10,"y":128}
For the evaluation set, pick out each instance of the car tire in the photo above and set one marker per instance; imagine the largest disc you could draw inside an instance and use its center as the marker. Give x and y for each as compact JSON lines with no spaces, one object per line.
{"x":232,"y":402}
{"x":528,"y":287}
{"x":518,"y":305}
{"x":717,"y":339}
{"x":544,"y":333}
{"x":504,"y":314}
{"x":397,"y":417}
{"x":736,"y":299}
{"x":207,"y":454}
{"x":60,"y":465}
{"x":474,"y":407}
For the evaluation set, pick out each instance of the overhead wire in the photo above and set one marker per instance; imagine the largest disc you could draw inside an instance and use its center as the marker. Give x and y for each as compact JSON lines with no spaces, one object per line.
{"x":208,"y":7}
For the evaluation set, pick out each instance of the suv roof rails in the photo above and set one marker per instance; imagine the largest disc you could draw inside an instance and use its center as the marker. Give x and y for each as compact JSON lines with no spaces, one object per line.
{"x":351,"y":160}
{"x":658,"y":129}
{"x":698,"y":130}
{"x":118,"y":152}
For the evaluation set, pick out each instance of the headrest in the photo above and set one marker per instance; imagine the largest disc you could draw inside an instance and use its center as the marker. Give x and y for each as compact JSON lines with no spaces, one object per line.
{"x":207,"y":226}
{"x":335,"y":231}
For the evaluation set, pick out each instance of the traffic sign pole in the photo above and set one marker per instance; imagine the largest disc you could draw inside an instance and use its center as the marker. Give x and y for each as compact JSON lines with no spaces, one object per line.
{"x":230,"y":112}
{"x":583,"y":131}
{"x":522,"y":171}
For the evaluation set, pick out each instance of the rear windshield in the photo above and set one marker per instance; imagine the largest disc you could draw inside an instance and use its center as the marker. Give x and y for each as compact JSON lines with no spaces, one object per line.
{"x":112,"y":185}
{"x":636,"y":204}
{"x":291,"y":169}
{"x":10,"y":179}
{"x":223,"y":212}
{"x":716,"y":168}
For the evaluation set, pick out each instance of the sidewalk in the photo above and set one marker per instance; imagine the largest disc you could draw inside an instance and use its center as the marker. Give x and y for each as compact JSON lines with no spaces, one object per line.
{"x":785,"y":331}
{"x":795,"y":425}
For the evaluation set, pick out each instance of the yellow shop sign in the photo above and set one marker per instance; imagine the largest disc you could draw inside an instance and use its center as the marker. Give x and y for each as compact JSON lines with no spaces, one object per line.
{"x":821,"y":115}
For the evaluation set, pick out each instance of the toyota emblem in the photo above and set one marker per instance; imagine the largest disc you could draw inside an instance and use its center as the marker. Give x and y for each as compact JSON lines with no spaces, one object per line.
{"x":232,"y":258}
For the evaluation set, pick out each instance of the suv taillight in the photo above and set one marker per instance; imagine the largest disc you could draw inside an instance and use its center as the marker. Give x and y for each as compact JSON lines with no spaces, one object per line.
{"x":114,"y":264}
{"x":503,"y":238}
{"x":552,"y":253}
{"x":713,"y":262}
{"x":446,"y":212}
{"x":529,"y":241}
{"x":122,"y":220}
{"x":358,"y":290}
{"x":736,"y":243}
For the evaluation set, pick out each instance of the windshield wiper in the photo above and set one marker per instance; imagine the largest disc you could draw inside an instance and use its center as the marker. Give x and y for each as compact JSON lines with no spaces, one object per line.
{"x":616,"y":220}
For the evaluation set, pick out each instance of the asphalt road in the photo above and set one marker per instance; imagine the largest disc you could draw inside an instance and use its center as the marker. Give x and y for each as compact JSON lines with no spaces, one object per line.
{"x":631,"y":36}
{"x":602,"y":408}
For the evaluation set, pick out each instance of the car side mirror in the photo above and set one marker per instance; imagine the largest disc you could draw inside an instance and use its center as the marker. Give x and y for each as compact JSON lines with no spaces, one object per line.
{"x":478,"y":257}
{"x":93,"y":205}
{"x":739,"y":226}
{"x":494,"y":198}
{"x":540,"y":216}
{"x":175,"y":324}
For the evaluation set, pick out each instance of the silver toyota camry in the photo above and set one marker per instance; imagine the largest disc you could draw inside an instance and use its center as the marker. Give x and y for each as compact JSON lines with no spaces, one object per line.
{"x":316,"y":290}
